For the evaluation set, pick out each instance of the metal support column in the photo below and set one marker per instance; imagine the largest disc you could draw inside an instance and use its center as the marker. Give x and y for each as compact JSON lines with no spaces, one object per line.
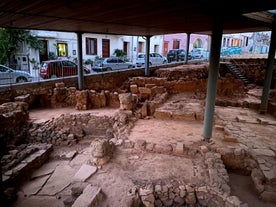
{"x":187,"y":47}
{"x":269,"y":69}
{"x":80,"y":63}
{"x":147,"y":55}
{"x":212,"y":78}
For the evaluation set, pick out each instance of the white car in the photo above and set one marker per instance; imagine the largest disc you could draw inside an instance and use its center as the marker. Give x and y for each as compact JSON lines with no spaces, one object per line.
{"x":155,"y":59}
{"x":199,"y":53}
{"x":9,"y":76}
{"x":111,"y":63}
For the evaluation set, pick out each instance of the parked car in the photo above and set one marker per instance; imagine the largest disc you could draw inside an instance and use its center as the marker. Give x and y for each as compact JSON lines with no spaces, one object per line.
{"x":199,"y":53}
{"x":111,"y":63}
{"x":59,"y":68}
{"x":177,"y":55}
{"x":154,"y":59}
{"x":9,"y":75}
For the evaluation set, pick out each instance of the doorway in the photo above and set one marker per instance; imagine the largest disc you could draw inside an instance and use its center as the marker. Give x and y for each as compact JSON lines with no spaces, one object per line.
{"x":106,"y":47}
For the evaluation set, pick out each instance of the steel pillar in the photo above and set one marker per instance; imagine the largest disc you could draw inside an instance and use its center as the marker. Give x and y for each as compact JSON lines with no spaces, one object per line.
{"x":147,"y":55}
{"x":80,"y":63}
{"x":269,"y":69}
{"x":187,"y":47}
{"x":212,"y":78}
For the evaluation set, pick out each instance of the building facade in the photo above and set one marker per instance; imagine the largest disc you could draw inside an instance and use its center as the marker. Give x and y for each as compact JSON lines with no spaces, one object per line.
{"x":179,"y":41}
{"x":63,"y":45}
{"x":59,"y":45}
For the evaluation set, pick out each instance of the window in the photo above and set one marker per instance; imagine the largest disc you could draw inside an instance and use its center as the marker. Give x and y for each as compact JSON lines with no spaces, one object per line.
{"x":156,"y":48}
{"x":245,"y":42}
{"x":68,"y":63}
{"x":176,"y":44}
{"x":3,"y":69}
{"x":140,"y":47}
{"x":62,"y":49}
{"x":91,"y":46}
{"x":198,"y":43}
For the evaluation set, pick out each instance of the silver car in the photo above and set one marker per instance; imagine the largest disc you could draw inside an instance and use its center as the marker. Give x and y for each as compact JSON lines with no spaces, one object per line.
{"x":11,"y":76}
{"x":154,"y":59}
{"x":112,"y":63}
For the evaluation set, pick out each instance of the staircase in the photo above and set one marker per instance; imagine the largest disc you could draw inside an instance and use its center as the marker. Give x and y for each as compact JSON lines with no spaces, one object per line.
{"x":237,"y":73}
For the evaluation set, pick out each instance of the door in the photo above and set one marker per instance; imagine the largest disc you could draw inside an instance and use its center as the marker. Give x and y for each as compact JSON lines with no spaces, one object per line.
{"x":43,"y":53}
{"x":126,"y":48}
{"x":106,"y":47}
{"x":165,"y":48}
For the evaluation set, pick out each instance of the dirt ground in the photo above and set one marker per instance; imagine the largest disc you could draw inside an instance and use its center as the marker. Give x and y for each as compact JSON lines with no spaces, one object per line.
{"x":131,"y":167}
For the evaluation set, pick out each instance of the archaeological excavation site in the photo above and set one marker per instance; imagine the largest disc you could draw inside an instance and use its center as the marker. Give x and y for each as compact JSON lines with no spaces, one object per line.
{"x":129,"y":140}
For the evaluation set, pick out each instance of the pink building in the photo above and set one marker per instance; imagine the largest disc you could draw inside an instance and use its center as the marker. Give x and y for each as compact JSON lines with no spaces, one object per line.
{"x":179,"y":41}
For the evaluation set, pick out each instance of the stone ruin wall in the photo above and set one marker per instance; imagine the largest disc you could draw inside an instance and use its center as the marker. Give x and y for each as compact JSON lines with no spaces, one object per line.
{"x":40,"y":93}
{"x":185,"y":77}
{"x":147,"y":93}
{"x":69,"y":129}
{"x":254,"y":70}
{"x":13,"y":118}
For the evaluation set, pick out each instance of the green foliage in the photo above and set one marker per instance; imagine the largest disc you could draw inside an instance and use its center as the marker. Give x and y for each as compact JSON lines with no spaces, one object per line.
{"x":10,"y":41}
{"x":34,"y":42}
{"x":119,"y":53}
{"x":88,"y":62}
{"x":52,"y":56}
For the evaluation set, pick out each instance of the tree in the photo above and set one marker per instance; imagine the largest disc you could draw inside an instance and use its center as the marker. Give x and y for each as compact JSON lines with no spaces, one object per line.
{"x":10,"y":41}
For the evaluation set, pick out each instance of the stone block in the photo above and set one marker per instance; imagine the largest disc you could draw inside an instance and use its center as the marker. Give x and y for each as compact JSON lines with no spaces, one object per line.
{"x":140,"y":144}
{"x":134,"y":88}
{"x":144,"y":110}
{"x":268,"y":196}
{"x":158,"y":90}
{"x":60,"y":85}
{"x":91,"y":197}
{"x":241,"y":119}
{"x":263,"y":121}
{"x":162,"y":114}
{"x":151,"y":108}
{"x":159,"y":148}
{"x":85,"y":172}
{"x":149,"y":85}
{"x":149,"y":147}
{"x":179,"y":149}
{"x":184,"y":116}
{"x":230,"y":139}
{"x":22,"y":98}
{"x":199,"y":116}
{"x":144,"y":90}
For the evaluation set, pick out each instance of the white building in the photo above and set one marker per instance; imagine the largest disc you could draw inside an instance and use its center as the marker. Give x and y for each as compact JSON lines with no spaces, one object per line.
{"x":64,"y":45}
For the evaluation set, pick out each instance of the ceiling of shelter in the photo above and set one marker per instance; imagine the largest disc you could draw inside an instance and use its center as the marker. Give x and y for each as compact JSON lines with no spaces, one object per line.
{"x":137,"y":17}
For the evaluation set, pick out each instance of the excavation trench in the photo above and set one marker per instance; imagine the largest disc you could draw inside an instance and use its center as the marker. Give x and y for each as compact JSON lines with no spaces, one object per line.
{"x":155,"y":162}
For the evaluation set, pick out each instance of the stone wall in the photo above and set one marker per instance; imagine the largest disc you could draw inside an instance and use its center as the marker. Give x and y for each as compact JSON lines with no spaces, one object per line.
{"x":217,"y":193}
{"x":40,"y":93}
{"x":175,"y":77}
{"x":13,"y":119}
{"x":68,"y":129}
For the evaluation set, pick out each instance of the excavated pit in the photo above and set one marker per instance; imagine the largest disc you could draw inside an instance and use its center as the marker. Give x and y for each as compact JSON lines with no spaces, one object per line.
{"x":164,"y":161}
{"x":157,"y":155}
